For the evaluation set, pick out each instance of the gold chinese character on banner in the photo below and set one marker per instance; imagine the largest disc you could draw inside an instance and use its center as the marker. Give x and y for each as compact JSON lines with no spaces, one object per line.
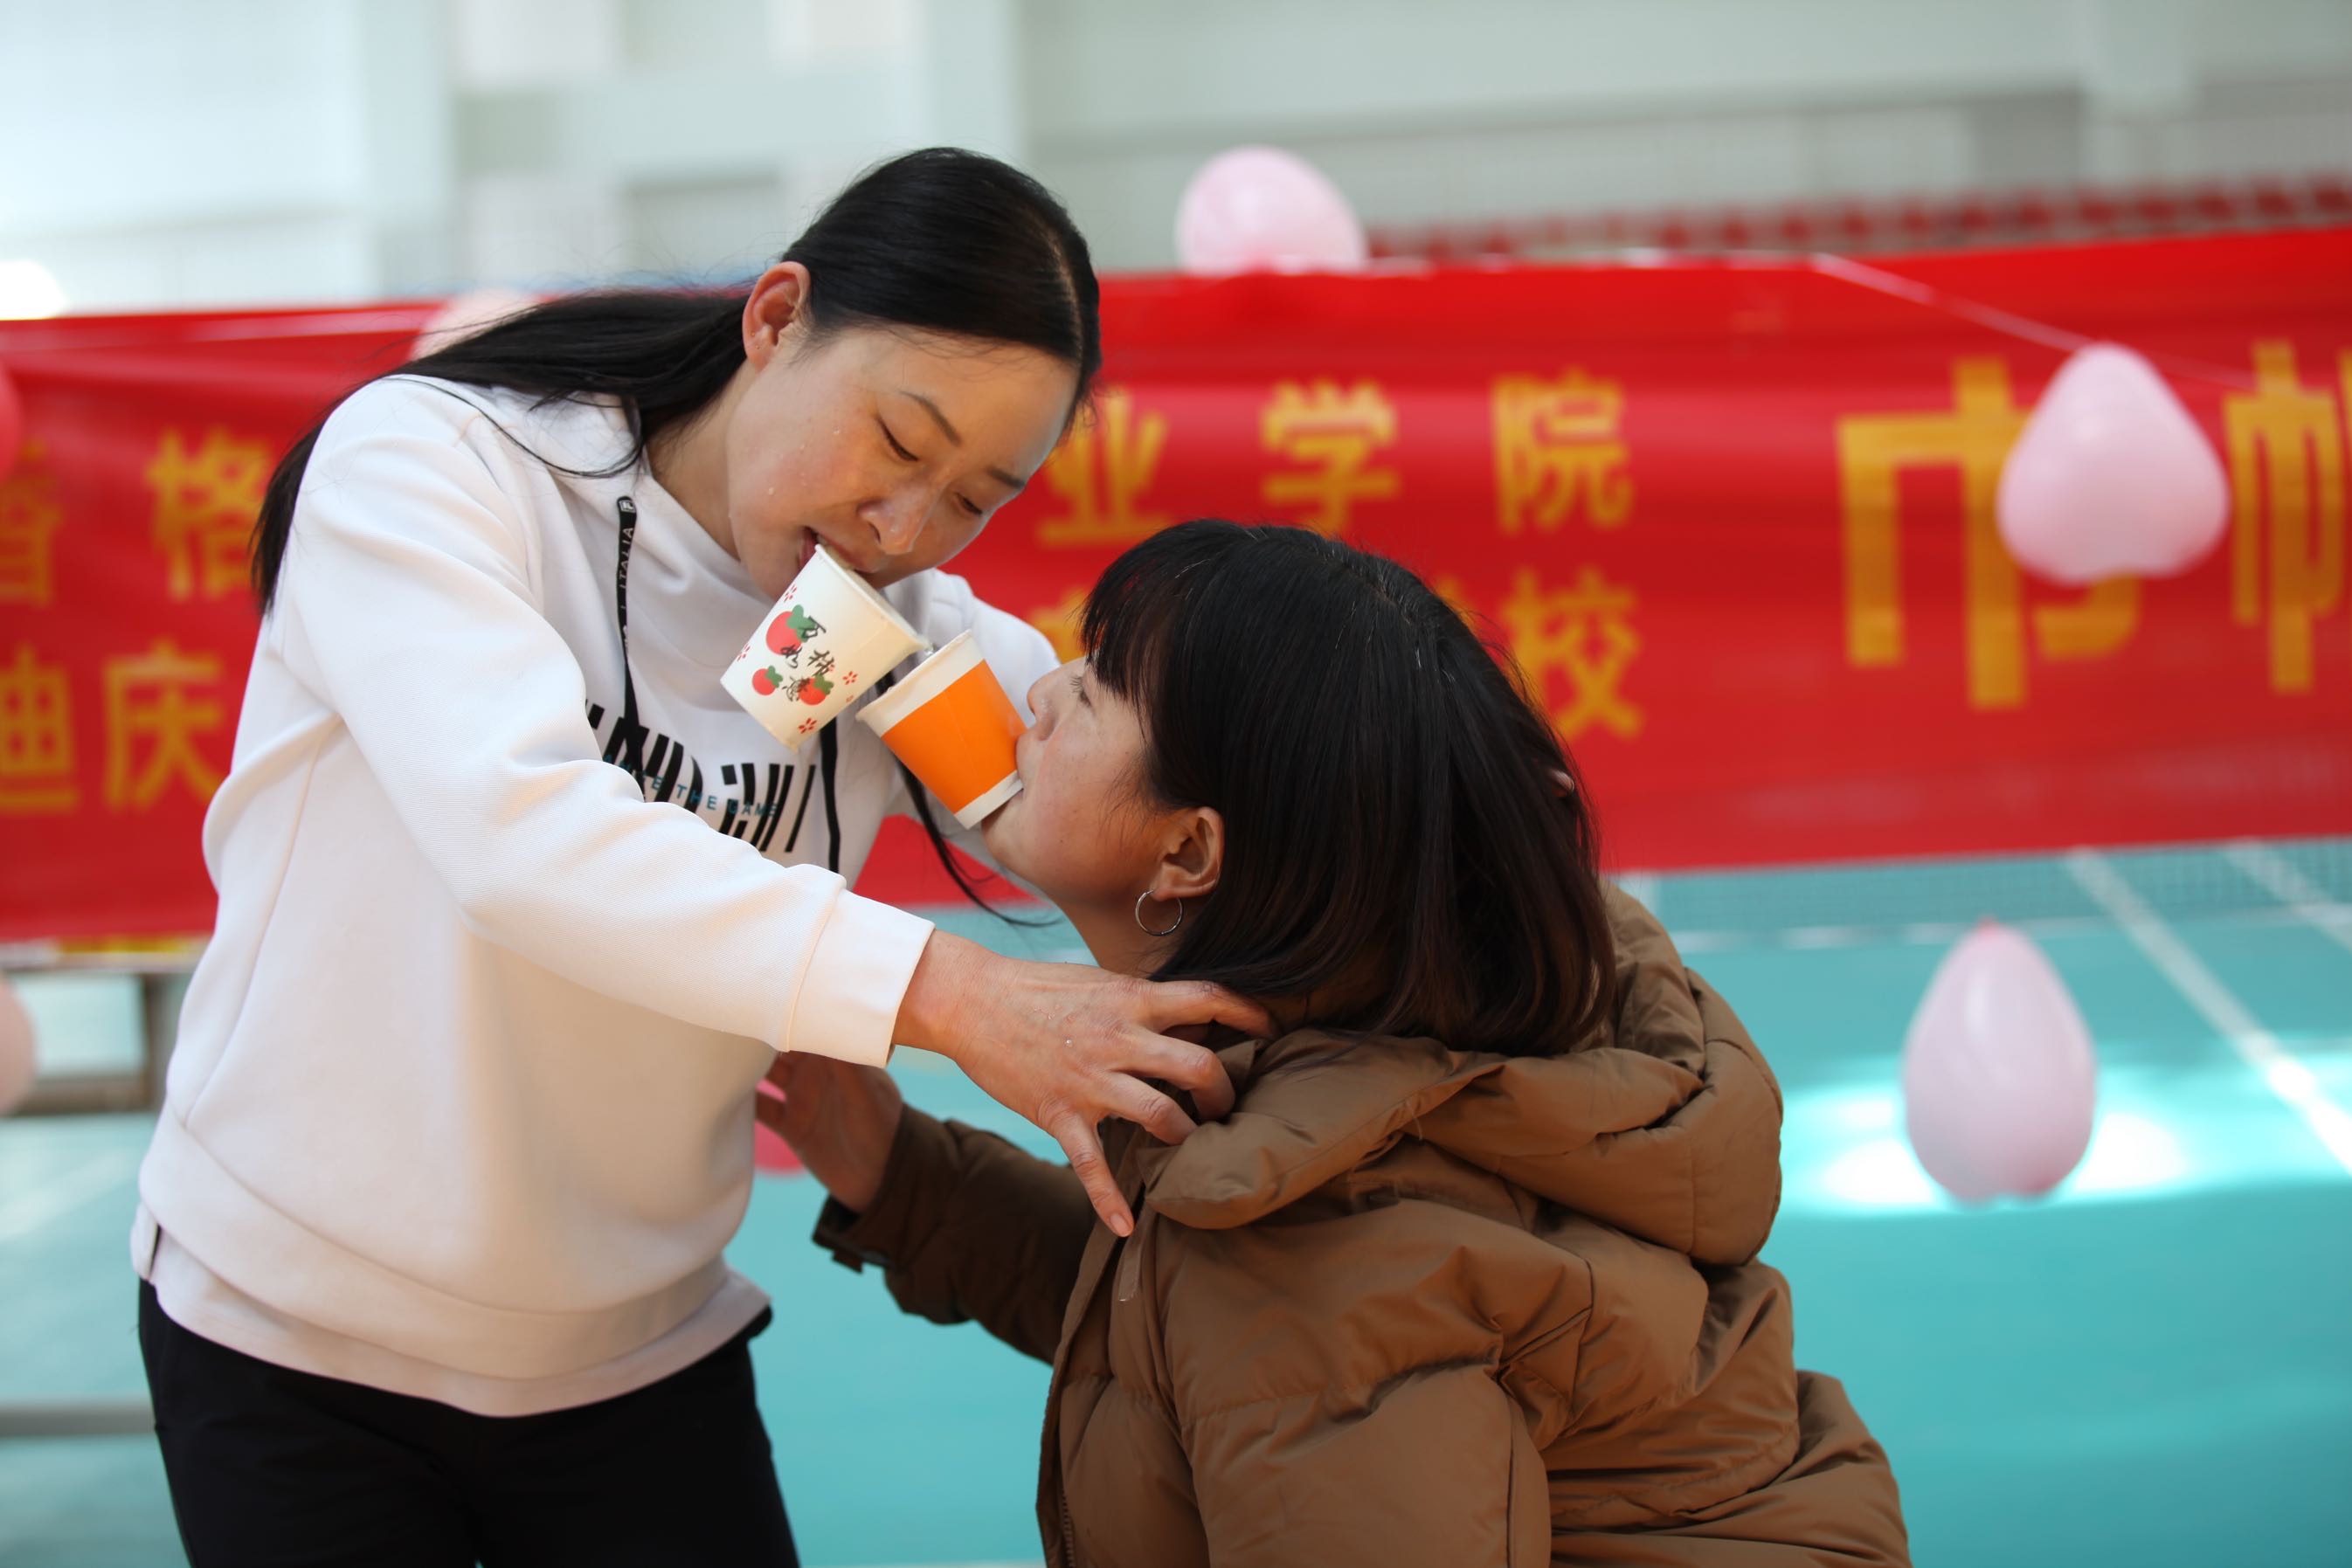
{"x":1333,"y":434}
{"x":1874,"y":451}
{"x":2286,"y":467}
{"x":1582,"y":635}
{"x":36,"y":742}
{"x":206,"y":499}
{"x":1556,"y":446}
{"x":1059,"y":622}
{"x":150,"y":708}
{"x":29,"y":518}
{"x":1102,"y":471}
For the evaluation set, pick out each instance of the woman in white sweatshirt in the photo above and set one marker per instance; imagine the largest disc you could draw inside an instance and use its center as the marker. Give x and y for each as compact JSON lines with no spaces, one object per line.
{"x":516,"y":906}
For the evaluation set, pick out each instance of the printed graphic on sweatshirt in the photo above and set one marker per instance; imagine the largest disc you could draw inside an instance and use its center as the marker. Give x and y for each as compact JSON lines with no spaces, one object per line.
{"x":746,"y":800}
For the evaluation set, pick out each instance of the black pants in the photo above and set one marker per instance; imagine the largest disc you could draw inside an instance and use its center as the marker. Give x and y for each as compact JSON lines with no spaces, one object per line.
{"x":272,"y":1467}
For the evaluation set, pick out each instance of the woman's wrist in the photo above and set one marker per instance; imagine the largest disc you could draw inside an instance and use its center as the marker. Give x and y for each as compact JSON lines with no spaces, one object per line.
{"x":936,"y":1013}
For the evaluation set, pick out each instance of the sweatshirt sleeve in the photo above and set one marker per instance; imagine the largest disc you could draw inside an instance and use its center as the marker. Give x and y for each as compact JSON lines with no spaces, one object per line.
{"x":408,"y":603}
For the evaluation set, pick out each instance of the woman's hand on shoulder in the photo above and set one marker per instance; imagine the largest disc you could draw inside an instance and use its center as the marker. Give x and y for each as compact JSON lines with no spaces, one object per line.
{"x":1068,"y":1045}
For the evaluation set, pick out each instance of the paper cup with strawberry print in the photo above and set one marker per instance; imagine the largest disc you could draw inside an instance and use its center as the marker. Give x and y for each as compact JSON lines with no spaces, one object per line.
{"x":824,"y":644}
{"x":951,"y":724}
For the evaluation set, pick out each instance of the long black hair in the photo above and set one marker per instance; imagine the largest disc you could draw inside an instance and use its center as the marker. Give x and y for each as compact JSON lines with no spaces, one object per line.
{"x":942,"y":240}
{"x":1397,"y":832}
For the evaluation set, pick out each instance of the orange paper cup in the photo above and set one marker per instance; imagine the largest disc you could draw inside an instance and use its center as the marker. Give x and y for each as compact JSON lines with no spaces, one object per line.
{"x":952,"y":723}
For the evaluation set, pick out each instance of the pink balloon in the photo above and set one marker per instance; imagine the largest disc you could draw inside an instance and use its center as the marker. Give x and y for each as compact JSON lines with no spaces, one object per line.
{"x":12,"y":423}
{"x":466,"y":314}
{"x":1998,"y":1078}
{"x":1260,"y":209}
{"x":2111,"y":477}
{"x":16,"y":1048}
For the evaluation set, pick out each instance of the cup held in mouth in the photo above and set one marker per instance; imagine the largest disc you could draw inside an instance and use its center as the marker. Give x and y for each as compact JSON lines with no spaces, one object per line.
{"x":953,"y":725}
{"x":824,"y":645}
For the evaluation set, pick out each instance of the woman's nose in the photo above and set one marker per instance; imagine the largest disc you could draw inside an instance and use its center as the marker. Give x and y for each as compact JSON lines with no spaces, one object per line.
{"x":896,"y":520}
{"x":1041,"y":701}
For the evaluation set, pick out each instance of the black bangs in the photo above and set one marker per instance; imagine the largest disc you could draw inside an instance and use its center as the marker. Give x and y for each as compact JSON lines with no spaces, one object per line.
{"x":1131,"y":616}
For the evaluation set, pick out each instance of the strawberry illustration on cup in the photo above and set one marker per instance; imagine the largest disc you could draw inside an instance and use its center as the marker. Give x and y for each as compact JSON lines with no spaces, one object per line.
{"x":811,"y":652}
{"x":789,"y":630}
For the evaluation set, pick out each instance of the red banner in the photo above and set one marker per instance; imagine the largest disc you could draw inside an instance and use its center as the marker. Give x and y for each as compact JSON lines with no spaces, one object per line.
{"x":1733,"y":517}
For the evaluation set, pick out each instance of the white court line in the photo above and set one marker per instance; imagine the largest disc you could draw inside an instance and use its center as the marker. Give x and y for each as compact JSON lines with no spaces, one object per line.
{"x":1709,"y":941}
{"x":2257,"y":1047}
{"x":1825,"y":936}
{"x":59,"y":1194}
{"x":1642,"y":887}
{"x":2292,"y":888}
{"x":1915,"y":934}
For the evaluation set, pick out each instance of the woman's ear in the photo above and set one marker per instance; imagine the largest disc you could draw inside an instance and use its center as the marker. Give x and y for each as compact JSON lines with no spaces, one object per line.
{"x":1194,"y":858}
{"x":779,"y":300}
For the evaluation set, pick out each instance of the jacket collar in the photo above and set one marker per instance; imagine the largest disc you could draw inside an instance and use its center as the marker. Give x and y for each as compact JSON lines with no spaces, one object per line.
{"x":1665,"y":1124}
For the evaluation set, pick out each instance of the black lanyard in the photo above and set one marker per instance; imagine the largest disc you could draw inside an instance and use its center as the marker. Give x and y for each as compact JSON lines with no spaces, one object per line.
{"x":633,"y":734}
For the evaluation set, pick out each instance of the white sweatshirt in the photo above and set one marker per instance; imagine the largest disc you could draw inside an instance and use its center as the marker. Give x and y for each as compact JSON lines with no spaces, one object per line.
{"x":461,"y":1104}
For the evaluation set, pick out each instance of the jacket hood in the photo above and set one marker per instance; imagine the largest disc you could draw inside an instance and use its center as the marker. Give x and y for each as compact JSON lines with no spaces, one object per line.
{"x":1666,"y":1123}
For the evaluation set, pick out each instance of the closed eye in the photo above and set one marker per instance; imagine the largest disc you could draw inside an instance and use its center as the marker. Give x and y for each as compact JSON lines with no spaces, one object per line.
{"x":1079,"y":688}
{"x":895,"y":445}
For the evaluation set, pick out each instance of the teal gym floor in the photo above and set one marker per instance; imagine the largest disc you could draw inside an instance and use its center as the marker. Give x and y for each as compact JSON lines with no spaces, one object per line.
{"x":2152,"y":1366}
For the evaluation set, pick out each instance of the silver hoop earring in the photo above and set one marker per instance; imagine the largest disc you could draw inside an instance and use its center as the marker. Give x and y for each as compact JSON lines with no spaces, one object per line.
{"x":1147,"y":930}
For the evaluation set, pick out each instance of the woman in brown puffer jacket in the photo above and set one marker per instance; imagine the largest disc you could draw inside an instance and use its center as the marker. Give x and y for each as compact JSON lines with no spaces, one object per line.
{"x":1469,"y":1275}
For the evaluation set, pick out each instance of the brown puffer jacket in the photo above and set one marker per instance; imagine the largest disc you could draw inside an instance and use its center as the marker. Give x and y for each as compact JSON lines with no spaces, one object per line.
{"x":1408,"y":1306}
